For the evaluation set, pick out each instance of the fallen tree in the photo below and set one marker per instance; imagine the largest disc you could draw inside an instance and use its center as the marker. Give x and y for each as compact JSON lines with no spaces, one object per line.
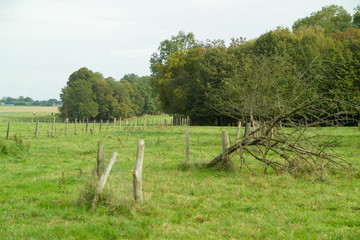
{"x":292,"y":147}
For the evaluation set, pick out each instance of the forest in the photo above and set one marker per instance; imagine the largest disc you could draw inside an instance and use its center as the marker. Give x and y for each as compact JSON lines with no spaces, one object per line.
{"x":218,"y":84}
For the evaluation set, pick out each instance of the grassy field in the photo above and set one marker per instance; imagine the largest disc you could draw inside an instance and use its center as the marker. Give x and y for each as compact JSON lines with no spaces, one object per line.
{"x":44,"y":189}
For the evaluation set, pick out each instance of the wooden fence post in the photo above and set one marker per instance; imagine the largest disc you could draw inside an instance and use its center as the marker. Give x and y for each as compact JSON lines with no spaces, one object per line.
{"x":238,"y":132}
{"x":187,"y":146}
{"x":8,"y":131}
{"x":100,"y":159}
{"x":247,"y":129}
{"x":66,"y":126}
{"x":100,"y":125}
{"x":225,"y":146}
{"x":114,"y":124}
{"x":87,"y":124}
{"x":37,"y":128}
{"x":225,"y":141}
{"x":53,"y":128}
{"x":137,"y":175}
{"x":75,"y":125}
{"x":103,"y":179}
{"x":120,"y":124}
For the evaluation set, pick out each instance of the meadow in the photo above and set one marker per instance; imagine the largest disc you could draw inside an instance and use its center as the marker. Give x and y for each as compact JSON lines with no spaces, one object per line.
{"x":45,"y":182}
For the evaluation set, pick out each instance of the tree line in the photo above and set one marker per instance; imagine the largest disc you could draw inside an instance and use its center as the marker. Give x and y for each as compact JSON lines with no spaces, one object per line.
{"x":89,"y":95}
{"x":216,"y":84}
{"x":28,"y":101}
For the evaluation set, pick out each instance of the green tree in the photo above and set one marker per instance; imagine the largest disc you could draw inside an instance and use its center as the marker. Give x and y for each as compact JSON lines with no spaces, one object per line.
{"x":356,"y":17}
{"x":78,"y":101}
{"x":331,"y":18}
{"x":166,"y":62}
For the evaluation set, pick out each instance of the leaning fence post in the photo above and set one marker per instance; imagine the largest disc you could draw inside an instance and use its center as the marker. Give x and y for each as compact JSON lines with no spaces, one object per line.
{"x":103,"y":179}
{"x":8,"y":131}
{"x":187,"y":146}
{"x":100,"y":159}
{"x":37,"y":128}
{"x":137,"y":175}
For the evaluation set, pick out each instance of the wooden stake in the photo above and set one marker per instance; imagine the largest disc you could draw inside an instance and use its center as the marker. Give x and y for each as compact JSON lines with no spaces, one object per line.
{"x":100,"y":159}
{"x":8,"y":131}
{"x":238,"y":132}
{"x":53,"y":128}
{"x":66,"y":128}
{"x":37,"y":128}
{"x":225,"y":141}
{"x":137,"y":175}
{"x":247,"y":129}
{"x":75,"y":125}
{"x":187,"y":147}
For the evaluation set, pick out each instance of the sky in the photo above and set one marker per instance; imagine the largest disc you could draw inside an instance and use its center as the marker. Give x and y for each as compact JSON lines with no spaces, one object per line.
{"x":42,"y":42}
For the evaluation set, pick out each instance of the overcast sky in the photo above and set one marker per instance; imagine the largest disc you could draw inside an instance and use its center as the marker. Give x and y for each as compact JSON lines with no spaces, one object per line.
{"x":43,"y":41}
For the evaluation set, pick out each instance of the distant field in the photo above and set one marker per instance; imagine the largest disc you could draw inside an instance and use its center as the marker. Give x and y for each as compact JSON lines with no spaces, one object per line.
{"x":25,"y":113}
{"x":30,"y":109}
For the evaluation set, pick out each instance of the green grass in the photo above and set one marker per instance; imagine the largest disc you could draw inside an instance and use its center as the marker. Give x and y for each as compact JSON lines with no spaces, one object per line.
{"x":43,"y":178}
